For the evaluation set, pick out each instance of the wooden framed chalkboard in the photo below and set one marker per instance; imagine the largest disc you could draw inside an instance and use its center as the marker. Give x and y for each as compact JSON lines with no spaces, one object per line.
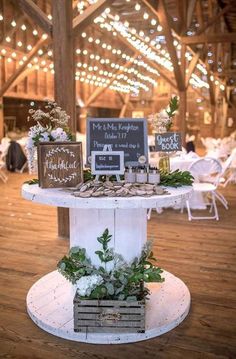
{"x":60,"y":164}
{"x":126,"y":134}
{"x":168,"y":141}
{"x":107,"y":163}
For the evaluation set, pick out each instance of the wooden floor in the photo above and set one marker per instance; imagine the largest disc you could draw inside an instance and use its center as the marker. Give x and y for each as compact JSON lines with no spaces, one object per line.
{"x":201,"y":253}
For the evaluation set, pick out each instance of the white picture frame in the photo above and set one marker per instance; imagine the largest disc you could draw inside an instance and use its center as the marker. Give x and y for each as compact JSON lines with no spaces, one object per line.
{"x":96,"y":171}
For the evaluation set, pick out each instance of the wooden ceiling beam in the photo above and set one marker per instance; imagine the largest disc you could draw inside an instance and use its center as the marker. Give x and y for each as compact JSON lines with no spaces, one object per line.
{"x":23,"y":74}
{"x":213,"y":20}
{"x":35,"y":13}
{"x":11,"y":80}
{"x":199,"y":13}
{"x":174,"y":24}
{"x":165,"y":23}
{"x":209,"y":38}
{"x":192,"y":67}
{"x":90,"y":13}
{"x":190,"y":12}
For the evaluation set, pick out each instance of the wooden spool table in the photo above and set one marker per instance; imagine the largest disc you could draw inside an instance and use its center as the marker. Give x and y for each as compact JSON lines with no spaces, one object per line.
{"x":50,"y":299}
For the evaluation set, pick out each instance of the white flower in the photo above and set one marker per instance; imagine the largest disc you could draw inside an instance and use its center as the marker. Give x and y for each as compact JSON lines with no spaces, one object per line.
{"x":29,"y":143}
{"x":44,"y":137}
{"x":88,"y":283}
{"x":59,"y":135}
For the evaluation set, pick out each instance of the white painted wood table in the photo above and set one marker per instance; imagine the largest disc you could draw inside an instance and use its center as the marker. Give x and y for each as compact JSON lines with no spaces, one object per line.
{"x":50,"y":299}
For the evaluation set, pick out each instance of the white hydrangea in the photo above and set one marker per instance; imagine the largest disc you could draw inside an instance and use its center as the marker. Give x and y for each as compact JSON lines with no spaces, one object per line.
{"x":87,"y":284}
{"x":59,"y":135}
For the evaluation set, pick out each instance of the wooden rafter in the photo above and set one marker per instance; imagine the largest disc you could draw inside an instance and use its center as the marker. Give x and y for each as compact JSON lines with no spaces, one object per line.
{"x":125,"y":105}
{"x":190,"y":12}
{"x":10,"y":82}
{"x":199,"y":13}
{"x":213,"y":20}
{"x":22,"y":76}
{"x":192,"y":67}
{"x":209,"y":38}
{"x":84,"y":19}
{"x":165,"y":23}
{"x":154,"y":12}
{"x":35,"y":13}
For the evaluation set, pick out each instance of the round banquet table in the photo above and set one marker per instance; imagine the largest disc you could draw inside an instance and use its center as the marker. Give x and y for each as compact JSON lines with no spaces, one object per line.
{"x":50,"y":299}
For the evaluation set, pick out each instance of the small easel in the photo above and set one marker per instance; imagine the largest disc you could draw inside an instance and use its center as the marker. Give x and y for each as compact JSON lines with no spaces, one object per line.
{"x":107,"y":148}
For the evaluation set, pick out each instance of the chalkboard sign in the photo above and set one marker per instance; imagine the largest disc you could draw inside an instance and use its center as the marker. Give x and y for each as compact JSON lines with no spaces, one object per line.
{"x":168,"y":142}
{"x":60,"y":164}
{"x":128,"y":135}
{"x":107,"y":162}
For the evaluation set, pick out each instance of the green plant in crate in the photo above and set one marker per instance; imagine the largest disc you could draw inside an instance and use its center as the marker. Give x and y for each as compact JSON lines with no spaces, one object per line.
{"x":122,"y":282}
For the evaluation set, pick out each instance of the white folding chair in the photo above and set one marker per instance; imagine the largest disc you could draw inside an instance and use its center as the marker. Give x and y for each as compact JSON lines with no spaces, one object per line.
{"x":203,"y":170}
{"x":229,"y":165}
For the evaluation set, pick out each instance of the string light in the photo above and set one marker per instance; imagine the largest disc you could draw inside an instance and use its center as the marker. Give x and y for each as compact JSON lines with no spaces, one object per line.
{"x":23,"y":27}
{"x":35,"y":32}
{"x":13,"y":23}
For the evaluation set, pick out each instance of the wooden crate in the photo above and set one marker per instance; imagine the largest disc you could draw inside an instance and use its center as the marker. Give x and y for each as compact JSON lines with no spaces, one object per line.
{"x":109,"y":316}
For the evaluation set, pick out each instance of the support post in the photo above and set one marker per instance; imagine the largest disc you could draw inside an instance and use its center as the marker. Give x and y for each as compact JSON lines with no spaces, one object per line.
{"x":1,"y":119}
{"x":182,"y":98}
{"x":64,"y":81}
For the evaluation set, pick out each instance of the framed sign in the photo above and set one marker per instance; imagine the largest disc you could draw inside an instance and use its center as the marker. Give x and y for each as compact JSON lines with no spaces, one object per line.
{"x":168,"y":141}
{"x":127,"y":135}
{"x":60,"y":164}
{"x":107,"y":162}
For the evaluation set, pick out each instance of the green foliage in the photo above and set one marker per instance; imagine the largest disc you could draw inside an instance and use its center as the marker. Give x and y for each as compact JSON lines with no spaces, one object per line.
{"x":173,"y":106}
{"x":123,"y":282}
{"x":32,"y":181}
{"x":176,"y":179}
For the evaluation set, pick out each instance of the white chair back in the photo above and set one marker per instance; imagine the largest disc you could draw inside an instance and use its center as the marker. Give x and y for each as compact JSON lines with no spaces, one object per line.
{"x":206,"y":169}
{"x":230,"y":161}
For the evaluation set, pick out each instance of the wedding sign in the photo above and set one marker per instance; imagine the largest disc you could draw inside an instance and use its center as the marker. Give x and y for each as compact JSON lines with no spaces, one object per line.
{"x":168,"y":141}
{"x":60,"y":164}
{"x":127,"y":135}
{"x":107,"y":163}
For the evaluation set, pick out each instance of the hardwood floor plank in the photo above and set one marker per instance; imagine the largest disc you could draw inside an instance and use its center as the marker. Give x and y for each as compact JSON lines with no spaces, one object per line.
{"x":201,"y":253}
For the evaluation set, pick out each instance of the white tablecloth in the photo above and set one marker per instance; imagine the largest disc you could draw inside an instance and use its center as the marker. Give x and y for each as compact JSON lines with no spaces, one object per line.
{"x":183,"y":164}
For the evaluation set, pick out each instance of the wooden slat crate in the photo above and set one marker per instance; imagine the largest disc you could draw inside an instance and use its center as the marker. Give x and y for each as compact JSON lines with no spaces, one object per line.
{"x":109,"y":316}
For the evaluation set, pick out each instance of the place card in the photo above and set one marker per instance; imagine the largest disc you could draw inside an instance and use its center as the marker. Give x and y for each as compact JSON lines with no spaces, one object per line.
{"x":168,"y":142}
{"x":107,"y":163}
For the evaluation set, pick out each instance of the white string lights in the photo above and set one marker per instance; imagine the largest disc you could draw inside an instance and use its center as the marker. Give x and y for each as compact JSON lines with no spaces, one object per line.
{"x":130,"y":79}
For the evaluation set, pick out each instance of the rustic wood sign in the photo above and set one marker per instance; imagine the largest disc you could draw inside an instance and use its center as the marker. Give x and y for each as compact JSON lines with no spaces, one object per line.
{"x":60,"y":164}
{"x":127,"y":134}
{"x":107,"y":162}
{"x":168,"y":142}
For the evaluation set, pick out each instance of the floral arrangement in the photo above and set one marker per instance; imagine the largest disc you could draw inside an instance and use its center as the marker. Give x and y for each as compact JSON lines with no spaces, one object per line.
{"x":123,"y":282}
{"x":162,"y":121}
{"x":51,"y":125}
